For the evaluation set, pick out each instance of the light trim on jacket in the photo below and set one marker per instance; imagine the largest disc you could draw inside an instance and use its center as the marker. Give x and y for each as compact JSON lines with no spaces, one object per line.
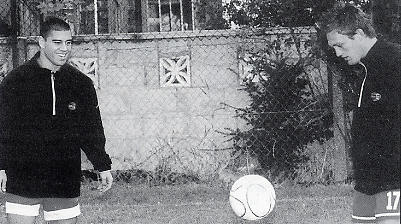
{"x":363,"y":84}
{"x":54,"y":94}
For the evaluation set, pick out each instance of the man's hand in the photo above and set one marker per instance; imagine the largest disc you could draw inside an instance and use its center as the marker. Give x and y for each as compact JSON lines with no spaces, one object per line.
{"x":3,"y":181}
{"x":106,"y":180}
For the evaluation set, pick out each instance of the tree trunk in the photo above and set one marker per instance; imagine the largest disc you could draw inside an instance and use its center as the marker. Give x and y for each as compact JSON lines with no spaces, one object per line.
{"x":387,"y":18}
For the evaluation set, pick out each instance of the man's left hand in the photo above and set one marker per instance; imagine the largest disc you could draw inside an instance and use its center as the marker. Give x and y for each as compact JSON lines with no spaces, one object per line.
{"x":106,"y":180}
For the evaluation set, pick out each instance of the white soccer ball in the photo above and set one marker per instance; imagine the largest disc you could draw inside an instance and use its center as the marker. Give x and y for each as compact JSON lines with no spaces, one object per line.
{"x":252,"y":197}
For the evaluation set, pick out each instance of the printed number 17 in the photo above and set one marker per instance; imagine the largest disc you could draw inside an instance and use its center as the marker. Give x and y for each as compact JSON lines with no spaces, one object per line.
{"x":390,"y":204}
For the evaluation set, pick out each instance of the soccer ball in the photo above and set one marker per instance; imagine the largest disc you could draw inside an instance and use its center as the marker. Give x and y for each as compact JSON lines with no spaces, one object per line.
{"x":252,"y":197}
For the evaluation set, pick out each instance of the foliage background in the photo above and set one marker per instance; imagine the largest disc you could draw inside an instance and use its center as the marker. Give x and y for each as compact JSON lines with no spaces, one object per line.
{"x":287,"y":117}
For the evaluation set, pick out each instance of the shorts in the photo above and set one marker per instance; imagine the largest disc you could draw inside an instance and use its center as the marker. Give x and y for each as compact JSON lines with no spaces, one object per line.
{"x":381,"y":206}
{"x":53,"y":208}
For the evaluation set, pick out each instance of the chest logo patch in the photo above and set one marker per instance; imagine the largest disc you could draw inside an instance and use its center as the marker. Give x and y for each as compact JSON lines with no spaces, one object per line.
{"x":72,"y":106}
{"x":375,"y":96}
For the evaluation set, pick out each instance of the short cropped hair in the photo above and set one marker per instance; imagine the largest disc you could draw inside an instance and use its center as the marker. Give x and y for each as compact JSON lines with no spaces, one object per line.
{"x":346,"y":19}
{"x":53,"y":24}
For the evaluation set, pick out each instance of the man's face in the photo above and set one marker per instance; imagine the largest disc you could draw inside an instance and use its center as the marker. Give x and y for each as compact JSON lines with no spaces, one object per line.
{"x":348,"y":48}
{"x":56,"y":49}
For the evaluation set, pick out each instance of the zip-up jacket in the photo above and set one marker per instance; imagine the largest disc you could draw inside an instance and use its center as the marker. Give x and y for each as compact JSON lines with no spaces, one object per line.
{"x":45,"y":120}
{"x":376,"y":126}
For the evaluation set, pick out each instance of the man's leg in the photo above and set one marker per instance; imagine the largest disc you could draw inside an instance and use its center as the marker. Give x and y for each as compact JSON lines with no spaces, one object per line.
{"x":21,"y":210}
{"x":20,"y":219}
{"x":389,"y":221}
{"x":61,"y":210}
{"x":363,"y":208}
{"x":65,"y":221}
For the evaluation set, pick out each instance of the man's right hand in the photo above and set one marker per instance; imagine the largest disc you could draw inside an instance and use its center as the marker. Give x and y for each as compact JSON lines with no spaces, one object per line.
{"x":3,"y":181}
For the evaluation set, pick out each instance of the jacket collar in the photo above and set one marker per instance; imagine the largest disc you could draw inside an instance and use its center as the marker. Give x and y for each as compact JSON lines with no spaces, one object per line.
{"x":375,"y":54}
{"x":34,"y":62}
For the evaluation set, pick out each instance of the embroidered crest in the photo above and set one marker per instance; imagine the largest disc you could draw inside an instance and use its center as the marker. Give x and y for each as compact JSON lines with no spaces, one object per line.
{"x":375,"y":96}
{"x":72,"y":106}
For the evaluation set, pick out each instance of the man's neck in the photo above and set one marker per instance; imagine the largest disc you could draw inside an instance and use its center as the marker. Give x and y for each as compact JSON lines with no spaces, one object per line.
{"x":45,"y":63}
{"x":368,"y":45}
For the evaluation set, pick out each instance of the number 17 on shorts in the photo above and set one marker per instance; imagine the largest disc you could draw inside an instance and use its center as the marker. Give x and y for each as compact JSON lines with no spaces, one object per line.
{"x":389,"y":206}
{"x":393,"y":200}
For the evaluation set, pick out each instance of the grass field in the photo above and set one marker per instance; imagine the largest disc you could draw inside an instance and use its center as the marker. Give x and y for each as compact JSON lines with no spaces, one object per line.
{"x":206,"y":204}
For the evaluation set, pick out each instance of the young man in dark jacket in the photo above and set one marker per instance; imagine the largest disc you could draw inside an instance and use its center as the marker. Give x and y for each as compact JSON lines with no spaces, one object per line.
{"x":48,"y":113}
{"x":376,"y":125}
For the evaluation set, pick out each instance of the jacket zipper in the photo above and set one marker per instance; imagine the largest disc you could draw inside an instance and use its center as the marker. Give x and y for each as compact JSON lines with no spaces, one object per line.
{"x":363,"y":84}
{"x":53,"y":93}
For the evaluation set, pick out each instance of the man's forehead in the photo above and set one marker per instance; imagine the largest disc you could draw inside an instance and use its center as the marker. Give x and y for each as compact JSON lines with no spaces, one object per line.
{"x":335,"y":38}
{"x":60,"y":35}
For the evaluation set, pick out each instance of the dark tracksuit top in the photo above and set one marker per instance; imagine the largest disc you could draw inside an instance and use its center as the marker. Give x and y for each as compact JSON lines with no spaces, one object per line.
{"x":45,"y":120}
{"x":376,"y":126}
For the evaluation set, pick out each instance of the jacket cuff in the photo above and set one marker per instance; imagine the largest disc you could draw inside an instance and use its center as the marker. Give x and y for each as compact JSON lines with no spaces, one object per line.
{"x":102,"y":168}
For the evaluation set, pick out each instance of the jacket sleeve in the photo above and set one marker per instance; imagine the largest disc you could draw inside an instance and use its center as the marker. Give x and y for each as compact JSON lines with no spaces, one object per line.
{"x":3,"y":157}
{"x":93,"y":138}
{"x":5,"y":121}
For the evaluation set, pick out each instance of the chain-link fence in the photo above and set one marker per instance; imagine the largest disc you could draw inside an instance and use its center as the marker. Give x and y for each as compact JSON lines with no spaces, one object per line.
{"x":175,"y":89}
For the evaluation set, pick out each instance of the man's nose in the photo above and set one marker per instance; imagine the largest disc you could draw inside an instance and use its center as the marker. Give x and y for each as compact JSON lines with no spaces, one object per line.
{"x":64,"y":46}
{"x":338,"y":52}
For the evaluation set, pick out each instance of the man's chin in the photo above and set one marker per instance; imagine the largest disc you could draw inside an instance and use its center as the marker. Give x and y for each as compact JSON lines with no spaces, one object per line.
{"x":352,"y":62}
{"x":61,"y":62}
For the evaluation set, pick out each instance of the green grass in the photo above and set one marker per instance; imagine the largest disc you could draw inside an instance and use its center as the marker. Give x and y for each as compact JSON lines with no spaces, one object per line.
{"x":206,"y":204}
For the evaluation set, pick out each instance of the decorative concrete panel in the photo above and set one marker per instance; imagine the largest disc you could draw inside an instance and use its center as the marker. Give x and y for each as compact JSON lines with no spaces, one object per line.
{"x":88,"y":66}
{"x":3,"y":69}
{"x":175,"y":72}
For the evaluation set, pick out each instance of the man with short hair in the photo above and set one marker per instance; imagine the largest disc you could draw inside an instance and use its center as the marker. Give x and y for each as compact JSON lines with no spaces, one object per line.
{"x":48,"y":113}
{"x":376,"y":125}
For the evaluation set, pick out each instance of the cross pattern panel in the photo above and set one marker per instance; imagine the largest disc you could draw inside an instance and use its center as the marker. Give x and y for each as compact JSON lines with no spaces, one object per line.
{"x":3,"y":69}
{"x":88,"y":66}
{"x":175,"y":72}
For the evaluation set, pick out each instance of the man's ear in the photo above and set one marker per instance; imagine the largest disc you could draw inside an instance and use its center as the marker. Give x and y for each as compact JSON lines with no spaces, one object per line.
{"x":41,"y":42}
{"x":359,"y":33}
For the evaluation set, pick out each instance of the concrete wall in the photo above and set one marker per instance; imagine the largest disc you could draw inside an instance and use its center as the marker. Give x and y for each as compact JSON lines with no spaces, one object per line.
{"x":150,"y":123}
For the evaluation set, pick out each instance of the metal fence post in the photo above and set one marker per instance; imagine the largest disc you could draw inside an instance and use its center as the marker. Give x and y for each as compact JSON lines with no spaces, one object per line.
{"x":340,"y":147}
{"x":14,"y":33}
